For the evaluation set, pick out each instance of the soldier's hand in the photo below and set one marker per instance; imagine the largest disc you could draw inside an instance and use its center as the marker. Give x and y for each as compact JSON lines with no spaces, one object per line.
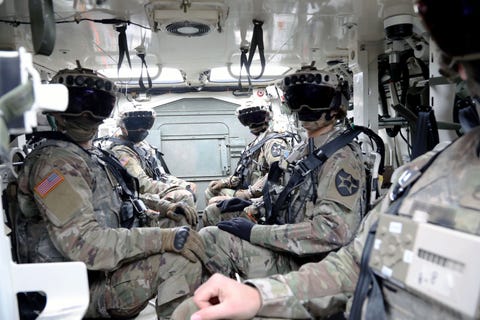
{"x":239,"y":227}
{"x":184,"y":241}
{"x":243,"y":194}
{"x":216,"y":186}
{"x":177,"y":210}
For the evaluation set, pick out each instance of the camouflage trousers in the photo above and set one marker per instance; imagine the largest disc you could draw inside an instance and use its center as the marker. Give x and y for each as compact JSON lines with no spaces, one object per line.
{"x":188,"y":307}
{"x":212,"y":215}
{"x":223,"y":192}
{"x":227,"y":254}
{"x":127,"y":290}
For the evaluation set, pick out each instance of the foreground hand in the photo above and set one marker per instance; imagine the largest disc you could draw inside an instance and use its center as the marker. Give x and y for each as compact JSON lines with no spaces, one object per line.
{"x":240,"y":227}
{"x":224,"y":298}
{"x":183,"y":240}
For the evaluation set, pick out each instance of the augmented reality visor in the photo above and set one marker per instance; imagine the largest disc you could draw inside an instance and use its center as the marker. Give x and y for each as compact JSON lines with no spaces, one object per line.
{"x":252,"y":116}
{"x":138,"y":120}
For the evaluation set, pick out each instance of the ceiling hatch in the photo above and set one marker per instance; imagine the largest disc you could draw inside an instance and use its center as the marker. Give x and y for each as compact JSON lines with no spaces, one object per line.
{"x":187,"y":18}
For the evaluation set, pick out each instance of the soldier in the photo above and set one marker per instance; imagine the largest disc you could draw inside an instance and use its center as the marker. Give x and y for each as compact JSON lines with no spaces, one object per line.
{"x":141,"y":161}
{"x":321,"y":213}
{"x":70,"y":204}
{"x":250,"y":175}
{"x":444,"y":193}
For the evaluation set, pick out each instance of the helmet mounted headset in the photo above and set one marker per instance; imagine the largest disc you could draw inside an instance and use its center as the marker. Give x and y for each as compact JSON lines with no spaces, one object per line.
{"x":137,"y":123}
{"x":311,"y":93}
{"x":254,"y":113}
{"x":88,"y":92}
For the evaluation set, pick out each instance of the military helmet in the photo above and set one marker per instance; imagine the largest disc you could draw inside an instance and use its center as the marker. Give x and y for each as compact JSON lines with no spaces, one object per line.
{"x":453,"y":25}
{"x":88,"y":92}
{"x":310,"y":93}
{"x":137,"y":119}
{"x":254,"y":113}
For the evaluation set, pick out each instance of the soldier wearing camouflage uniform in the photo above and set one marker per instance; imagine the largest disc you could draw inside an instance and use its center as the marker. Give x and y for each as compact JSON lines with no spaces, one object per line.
{"x":140,"y":160}
{"x":71,"y":211}
{"x":444,"y":192}
{"x":322,"y":213}
{"x":250,"y":175}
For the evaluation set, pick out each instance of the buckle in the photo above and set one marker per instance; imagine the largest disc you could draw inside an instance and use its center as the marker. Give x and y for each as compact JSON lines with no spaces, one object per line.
{"x":408,"y":177}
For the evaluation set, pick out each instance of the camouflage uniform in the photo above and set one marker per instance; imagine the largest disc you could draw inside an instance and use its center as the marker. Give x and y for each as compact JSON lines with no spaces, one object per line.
{"x":316,"y":228}
{"x":70,"y":212}
{"x":261,"y":160}
{"x":169,"y":188}
{"x":451,"y":198}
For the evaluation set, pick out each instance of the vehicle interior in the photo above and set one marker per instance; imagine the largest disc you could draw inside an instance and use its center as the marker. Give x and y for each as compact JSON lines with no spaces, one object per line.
{"x":195,"y":61}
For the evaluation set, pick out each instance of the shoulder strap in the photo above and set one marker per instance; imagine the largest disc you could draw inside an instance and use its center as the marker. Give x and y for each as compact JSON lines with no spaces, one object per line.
{"x":368,"y":285}
{"x":303,"y":168}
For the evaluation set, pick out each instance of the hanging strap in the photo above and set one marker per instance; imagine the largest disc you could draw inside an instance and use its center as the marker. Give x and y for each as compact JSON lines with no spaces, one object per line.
{"x":122,"y":45}
{"x":243,"y":64}
{"x":257,"y":42}
{"x":368,"y":283}
{"x":303,"y":168}
{"x":140,"y":81}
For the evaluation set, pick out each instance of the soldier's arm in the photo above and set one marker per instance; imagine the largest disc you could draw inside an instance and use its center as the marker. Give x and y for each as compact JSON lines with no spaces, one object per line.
{"x":66,"y":204}
{"x":316,"y":289}
{"x":331,"y":222}
{"x":132,"y":164}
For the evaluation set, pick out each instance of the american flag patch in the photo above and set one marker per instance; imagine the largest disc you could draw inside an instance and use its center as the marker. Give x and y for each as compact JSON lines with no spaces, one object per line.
{"x":124,"y":161}
{"x":49,"y":183}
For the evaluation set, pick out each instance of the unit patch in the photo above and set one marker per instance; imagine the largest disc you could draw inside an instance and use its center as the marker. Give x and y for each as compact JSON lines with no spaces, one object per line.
{"x":276,"y":149}
{"x":346,"y":184}
{"x":49,"y":183}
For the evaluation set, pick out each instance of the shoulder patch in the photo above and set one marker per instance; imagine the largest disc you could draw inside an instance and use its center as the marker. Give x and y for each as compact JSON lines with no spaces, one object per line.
{"x":276,"y":149}
{"x":49,"y":183}
{"x":346,"y":184}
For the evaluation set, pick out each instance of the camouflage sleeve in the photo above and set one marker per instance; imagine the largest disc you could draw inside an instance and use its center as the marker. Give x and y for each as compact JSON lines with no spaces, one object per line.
{"x":316,"y":290}
{"x":61,"y":183}
{"x":329,"y":223}
{"x":130,"y":161}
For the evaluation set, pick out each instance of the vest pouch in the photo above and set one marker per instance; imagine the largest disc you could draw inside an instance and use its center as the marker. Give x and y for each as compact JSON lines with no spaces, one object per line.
{"x":127,"y":215}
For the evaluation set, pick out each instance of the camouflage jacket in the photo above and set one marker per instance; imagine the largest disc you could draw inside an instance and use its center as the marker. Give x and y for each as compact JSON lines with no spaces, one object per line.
{"x":139,"y":168}
{"x":70,"y":211}
{"x":448,"y":191}
{"x":315,"y":228}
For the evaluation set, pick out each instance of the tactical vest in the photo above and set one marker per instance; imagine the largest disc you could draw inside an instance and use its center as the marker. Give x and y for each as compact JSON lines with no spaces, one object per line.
{"x":32,"y":241}
{"x":286,"y":201}
{"x":433,"y":206}
{"x":148,"y":161}
{"x":249,"y":166}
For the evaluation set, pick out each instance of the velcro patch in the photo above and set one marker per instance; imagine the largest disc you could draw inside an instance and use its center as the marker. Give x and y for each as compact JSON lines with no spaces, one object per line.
{"x":48,"y":184}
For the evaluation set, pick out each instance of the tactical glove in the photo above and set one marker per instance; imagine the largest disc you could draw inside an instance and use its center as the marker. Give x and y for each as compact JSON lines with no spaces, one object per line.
{"x":239,"y":227}
{"x":184,"y":241}
{"x":233,"y":205}
{"x":176,"y":210}
{"x":217,"y":185}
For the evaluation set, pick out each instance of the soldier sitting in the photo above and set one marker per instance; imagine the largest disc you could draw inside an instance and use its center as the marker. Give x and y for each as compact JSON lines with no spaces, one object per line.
{"x":74,"y":207}
{"x":250,"y":175}
{"x":321,"y":213}
{"x":144,"y":162}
